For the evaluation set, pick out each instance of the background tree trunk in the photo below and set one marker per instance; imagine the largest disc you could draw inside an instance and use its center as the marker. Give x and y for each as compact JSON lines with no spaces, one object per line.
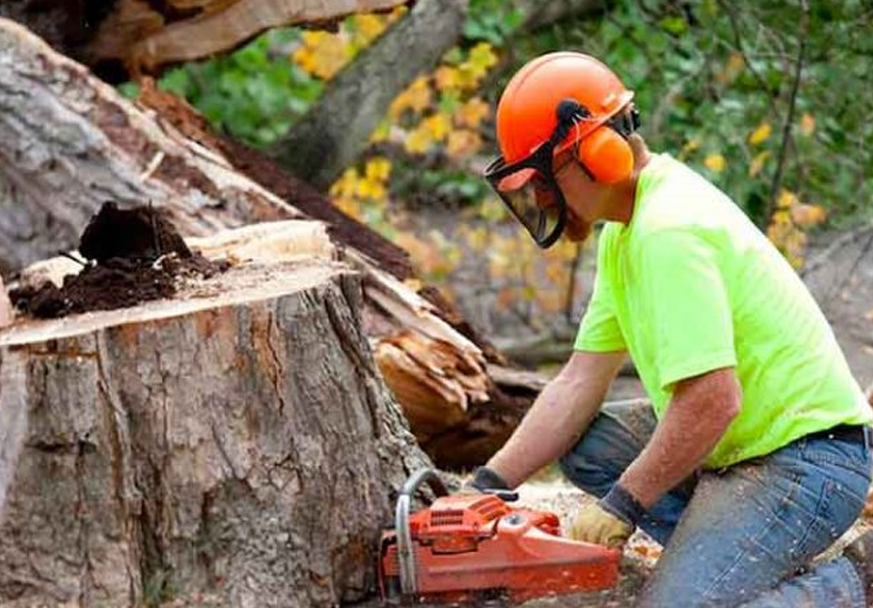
{"x":237,"y":440}
{"x":337,"y":128}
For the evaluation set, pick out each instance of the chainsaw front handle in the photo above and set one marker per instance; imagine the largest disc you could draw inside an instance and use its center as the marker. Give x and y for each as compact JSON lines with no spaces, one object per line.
{"x":405,"y":551}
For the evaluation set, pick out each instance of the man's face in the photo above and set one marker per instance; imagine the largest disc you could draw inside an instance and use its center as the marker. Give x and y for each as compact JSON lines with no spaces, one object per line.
{"x":581,"y":194}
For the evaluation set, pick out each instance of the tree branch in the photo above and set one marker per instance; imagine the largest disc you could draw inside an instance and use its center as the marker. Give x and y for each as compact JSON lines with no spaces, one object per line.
{"x":789,"y":119}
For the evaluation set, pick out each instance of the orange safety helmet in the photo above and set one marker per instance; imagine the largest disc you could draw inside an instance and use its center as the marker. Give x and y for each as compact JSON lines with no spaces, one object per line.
{"x":527,"y":113}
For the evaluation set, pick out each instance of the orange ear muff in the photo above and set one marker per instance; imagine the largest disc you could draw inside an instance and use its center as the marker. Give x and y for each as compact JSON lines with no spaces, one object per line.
{"x":607,"y":155}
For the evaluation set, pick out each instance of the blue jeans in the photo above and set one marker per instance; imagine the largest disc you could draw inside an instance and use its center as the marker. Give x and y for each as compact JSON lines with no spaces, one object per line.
{"x":741,"y":536}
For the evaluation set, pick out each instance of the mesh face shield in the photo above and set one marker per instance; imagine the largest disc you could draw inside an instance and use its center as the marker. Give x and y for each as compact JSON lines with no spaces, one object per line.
{"x":529,"y":189}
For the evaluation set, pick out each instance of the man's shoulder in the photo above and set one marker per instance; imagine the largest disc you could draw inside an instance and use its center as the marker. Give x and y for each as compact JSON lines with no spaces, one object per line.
{"x":675,"y":198}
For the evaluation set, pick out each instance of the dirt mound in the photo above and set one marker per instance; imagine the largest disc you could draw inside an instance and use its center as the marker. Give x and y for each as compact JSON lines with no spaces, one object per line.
{"x":134,"y":255}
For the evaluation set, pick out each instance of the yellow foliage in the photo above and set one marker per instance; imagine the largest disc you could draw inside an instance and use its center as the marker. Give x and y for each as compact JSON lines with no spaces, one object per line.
{"x":418,"y":141}
{"x":437,"y":125}
{"x":758,"y":163}
{"x":556,"y":272}
{"x":732,"y":68}
{"x":715,"y":162}
{"x":472,"y":113}
{"x":345,"y":185}
{"x":760,"y":134}
{"x":807,"y":124}
{"x":808,"y":215}
{"x":416,"y":97}
{"x":786,"y":199}
{"x":482,"y":57}
{"x":479,"y":61}
{"x":370,"y":188}
{"x":690,"y":146}
{"x":323,"y":54}
{"x":350,"y":207}
{"x":381,"y":132}
{"x":378,"y":169}
{"x":447,"y":78}
{"x":368,"y":27}
{"x":468,"y":77}
{"x":463,"y":143}
{"x":787,"y":224}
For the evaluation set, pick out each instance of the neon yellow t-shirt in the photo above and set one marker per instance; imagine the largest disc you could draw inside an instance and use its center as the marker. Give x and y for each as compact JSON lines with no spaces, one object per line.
{"x":691,"y":285}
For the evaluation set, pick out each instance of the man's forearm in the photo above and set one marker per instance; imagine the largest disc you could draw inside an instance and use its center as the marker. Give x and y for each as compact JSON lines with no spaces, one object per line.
{"x":557,"y":418}
{"x":692,"y":426}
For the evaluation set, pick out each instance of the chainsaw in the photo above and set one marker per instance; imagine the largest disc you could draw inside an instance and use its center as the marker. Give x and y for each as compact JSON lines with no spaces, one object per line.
{"x":464,"y":547}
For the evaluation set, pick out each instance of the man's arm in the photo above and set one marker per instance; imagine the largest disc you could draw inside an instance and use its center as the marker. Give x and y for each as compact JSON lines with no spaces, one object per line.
{"x":558,"y":417}
{"x":699,"y":413}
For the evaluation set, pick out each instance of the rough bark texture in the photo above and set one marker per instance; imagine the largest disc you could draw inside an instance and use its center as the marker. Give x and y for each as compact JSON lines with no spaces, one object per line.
{"x":144,"y":35}
{"x":237,"y":440}
{"x":71,"y":143}
{"x":336,"y":129}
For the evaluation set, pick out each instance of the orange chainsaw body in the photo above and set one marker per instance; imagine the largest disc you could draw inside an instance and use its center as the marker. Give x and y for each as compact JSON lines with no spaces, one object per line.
{"x":464,"y":545}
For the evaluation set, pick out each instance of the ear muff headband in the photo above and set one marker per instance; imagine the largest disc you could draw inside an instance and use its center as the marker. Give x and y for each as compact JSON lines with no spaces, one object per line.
{"x":605,"y":152}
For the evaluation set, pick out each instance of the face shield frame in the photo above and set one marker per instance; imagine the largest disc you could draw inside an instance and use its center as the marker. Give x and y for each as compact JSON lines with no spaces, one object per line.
{"x":535,"y":176}
{"x":537,"y":202}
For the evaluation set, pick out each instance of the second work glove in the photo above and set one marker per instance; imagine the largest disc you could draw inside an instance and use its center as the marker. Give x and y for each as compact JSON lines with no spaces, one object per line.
{"x":593,"y":524}
{"x":611,"y":521}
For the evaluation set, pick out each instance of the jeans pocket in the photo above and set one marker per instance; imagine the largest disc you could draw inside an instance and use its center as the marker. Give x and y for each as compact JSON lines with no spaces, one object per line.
{"x":848,"y":455}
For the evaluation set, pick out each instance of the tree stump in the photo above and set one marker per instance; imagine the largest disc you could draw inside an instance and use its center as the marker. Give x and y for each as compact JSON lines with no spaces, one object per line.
{"x":71,"y":143}
{"x":236,"y":440}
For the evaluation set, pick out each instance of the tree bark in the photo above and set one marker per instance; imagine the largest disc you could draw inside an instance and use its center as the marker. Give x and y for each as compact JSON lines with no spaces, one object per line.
{"x":73,"y":143}
{"x":237,"y":440}
{"x":337,"y":128}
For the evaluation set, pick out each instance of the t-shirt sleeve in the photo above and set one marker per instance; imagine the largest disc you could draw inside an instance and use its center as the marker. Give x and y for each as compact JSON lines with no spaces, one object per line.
{"x":599,"y":330}
{"x":687,"y":306}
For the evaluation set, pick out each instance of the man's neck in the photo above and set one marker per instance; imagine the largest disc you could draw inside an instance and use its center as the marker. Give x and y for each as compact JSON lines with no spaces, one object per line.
{"x":622,"y":207}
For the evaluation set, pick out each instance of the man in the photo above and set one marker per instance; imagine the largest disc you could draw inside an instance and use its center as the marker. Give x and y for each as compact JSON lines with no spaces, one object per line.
{"x":755,"y":454}
{"x":5,"y":307}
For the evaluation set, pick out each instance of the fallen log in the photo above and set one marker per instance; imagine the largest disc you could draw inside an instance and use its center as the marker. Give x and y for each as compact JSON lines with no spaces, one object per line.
{"x":136,"y":36}
{"x":236,"y":440}
{"x":71,"y":143}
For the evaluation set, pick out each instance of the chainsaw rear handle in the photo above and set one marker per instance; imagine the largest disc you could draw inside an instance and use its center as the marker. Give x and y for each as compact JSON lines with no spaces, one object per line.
{"x":405,"y":552}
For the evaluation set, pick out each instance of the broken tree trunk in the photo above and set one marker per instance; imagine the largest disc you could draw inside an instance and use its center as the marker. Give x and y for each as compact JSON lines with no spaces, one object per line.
{"x":236,"y":440}
{"x":135,"y":36}
{"x":71,"y":143}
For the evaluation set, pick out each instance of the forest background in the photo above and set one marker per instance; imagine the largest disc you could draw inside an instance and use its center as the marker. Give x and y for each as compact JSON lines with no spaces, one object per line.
{"x":769,"y":100}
